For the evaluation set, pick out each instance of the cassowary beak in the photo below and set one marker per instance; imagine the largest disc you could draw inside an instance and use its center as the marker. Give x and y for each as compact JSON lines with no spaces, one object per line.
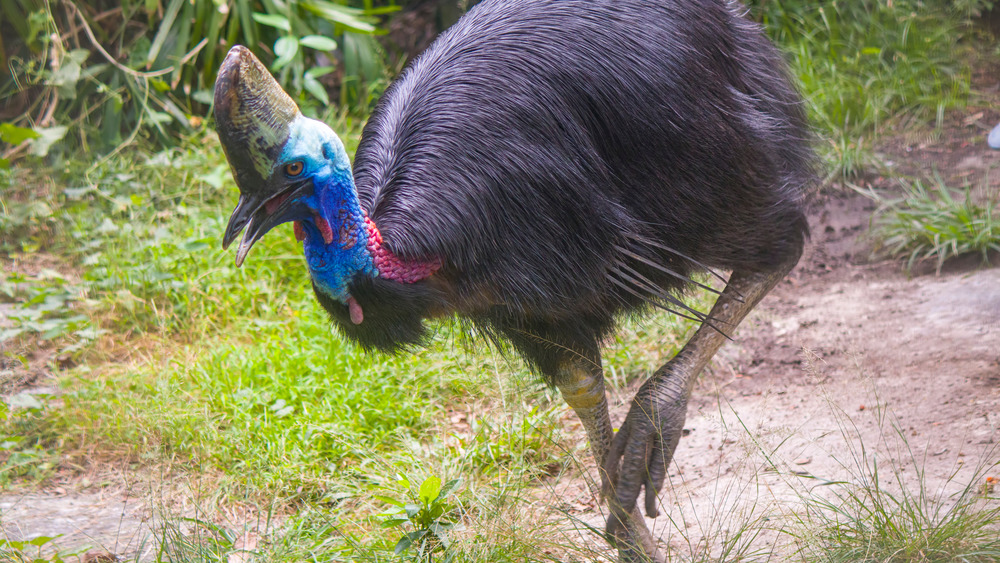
{"x":252,"y":116}
{"x":259,"y":217}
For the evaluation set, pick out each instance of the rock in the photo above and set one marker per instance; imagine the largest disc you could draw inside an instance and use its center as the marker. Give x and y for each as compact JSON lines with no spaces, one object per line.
{"x":994,"y":139}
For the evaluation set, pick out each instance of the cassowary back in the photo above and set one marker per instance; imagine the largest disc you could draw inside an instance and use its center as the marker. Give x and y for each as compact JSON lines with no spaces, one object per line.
{"x":564,"y":158}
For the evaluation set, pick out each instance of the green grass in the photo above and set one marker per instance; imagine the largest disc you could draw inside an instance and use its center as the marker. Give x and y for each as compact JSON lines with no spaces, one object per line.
{"x":888,"y":512}
{"x":234,"y":380}
{"x":864,"y":64}
{"x":927,"y":222}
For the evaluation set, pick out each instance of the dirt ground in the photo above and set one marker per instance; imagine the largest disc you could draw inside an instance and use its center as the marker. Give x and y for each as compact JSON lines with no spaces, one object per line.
{"x":847,"y":351}
{"x":849,"y":364}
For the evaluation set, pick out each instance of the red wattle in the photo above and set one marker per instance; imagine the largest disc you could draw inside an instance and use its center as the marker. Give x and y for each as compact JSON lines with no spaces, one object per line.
{"x":324,"y":229}
{"x":300,"y":233}
{"x":390,"y":266}
{"x":357,"y":315}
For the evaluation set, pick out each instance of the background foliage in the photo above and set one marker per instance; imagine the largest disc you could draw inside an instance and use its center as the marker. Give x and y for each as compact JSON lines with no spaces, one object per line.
{"x":94,"y":75}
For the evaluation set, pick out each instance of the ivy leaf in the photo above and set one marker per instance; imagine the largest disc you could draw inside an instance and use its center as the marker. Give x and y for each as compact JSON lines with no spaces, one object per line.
{"x":68,"y":73}
{"x":47,"y":136}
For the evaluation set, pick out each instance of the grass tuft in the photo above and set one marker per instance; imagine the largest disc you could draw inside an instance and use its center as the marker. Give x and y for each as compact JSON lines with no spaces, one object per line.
{"x":929,"y":222}
{"x":889,"y":509}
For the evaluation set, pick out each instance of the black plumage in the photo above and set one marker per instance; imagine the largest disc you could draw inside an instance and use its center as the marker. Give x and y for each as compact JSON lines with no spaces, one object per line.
{"x":559,"y":156}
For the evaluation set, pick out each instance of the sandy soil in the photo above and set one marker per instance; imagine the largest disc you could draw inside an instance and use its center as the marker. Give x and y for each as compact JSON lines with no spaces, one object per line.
{"x":846,"y":366}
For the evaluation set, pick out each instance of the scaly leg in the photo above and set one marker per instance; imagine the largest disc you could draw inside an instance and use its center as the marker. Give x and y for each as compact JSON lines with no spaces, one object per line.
{"x":581,"y":382}
{"x":646,"y":441}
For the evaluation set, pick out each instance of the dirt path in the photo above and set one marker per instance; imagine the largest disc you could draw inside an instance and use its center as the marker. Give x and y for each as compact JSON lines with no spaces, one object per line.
{"x":844,"y":363}
{"x":105,"y":521}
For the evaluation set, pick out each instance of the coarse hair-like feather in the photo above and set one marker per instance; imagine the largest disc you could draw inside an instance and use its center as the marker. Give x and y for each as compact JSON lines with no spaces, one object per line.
{"x":569,"y":161}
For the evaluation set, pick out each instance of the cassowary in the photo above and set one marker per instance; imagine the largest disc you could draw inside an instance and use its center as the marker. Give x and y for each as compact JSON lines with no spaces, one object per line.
{"x":543,"y":169}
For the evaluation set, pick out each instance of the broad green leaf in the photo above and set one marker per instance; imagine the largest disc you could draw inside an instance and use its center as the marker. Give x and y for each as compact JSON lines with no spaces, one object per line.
{"x":42,"y":540}
{"x":404,"y":543}
{"x":10,"y":133}
{"x":318,"y":71}
{"x":315,"y":88}
{"x":286,"y":48}
{"x":318,"y":42}
{"x":273,"y":20}
{"x":166,"y":25}
{"x":390,"y":500}
{"x":430,"y":489}
{"x":343,"y":15}
{"x":8,"y":333}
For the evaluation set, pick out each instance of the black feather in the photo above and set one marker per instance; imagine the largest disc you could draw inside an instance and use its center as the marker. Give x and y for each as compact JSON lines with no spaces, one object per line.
{"x":538,"y":144}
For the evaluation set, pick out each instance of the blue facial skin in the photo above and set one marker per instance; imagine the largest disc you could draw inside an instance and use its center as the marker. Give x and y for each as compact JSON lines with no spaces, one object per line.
{"x":334,"y":199}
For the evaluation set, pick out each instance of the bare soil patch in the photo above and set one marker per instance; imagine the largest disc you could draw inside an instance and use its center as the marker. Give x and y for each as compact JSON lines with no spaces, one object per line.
{"x":850,"y":364}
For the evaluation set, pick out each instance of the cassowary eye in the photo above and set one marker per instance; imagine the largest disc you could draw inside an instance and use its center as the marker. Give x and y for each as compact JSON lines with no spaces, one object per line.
{"x":294,"y":168}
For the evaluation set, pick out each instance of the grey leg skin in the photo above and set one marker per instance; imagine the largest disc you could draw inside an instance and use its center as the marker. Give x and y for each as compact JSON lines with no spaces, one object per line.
{"x":581,"y":383}
{"x":646,"y":441}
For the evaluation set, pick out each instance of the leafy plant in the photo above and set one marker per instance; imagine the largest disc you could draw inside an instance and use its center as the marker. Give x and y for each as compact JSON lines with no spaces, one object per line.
{"x":429,"y":513}
{"x":45,"y":308}
{"x":113,"y":71}
{"x":23,"y":439}
{"x":929,"y":222}
{"x":297,"y":30}
{"x":19,"y":551}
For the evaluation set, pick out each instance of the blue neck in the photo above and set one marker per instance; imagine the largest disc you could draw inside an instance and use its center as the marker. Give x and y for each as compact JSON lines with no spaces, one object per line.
{"x":333,"y":266}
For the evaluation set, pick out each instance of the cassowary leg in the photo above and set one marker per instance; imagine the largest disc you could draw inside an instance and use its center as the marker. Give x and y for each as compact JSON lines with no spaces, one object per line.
{"x":646,"y":441}
{"x":581,"y":383}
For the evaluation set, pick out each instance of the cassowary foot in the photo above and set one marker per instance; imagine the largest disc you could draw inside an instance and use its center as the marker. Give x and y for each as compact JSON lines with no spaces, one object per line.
{"x":632,"y":538}
{"x":642,"y":448}
{"x":581,"y":382}
{"x":646,"y":441}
